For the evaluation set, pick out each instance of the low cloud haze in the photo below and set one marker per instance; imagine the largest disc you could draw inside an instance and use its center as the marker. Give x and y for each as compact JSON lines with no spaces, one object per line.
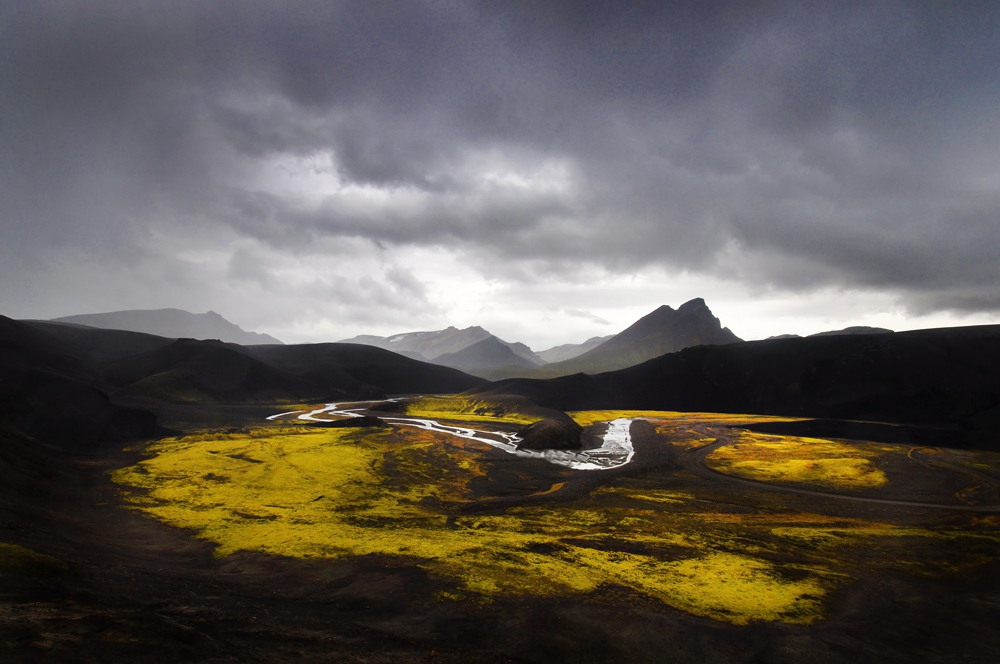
{"x":550,"y":171}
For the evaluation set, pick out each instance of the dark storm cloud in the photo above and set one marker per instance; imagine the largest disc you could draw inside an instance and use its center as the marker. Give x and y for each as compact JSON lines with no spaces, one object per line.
{"x":792,"y":144}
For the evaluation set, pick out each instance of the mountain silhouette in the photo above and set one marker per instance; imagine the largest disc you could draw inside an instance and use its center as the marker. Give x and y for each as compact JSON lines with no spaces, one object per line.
{"x":172,"y":323}
{"x":664,"y":330}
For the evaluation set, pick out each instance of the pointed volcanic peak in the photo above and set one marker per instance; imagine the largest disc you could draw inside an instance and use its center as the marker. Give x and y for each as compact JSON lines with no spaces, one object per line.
{"x":172,"y":323}
{"x":665,"y":330}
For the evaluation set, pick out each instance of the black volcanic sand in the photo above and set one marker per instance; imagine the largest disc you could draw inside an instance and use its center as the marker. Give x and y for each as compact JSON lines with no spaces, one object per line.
{"x":135,"y":589}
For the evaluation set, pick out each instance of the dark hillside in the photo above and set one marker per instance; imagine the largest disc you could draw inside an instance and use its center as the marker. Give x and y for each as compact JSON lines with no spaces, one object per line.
{"x":190,"y":371}
{"x":102,"y":343}
{"x":944,"y":378}
{"x":329,"y":365}
{"x":47,"y":392}
{"x":25,"y":347}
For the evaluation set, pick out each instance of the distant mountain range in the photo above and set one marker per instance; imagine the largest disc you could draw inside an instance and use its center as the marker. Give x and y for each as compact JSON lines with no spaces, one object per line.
{"x":476,"y":351}
{"x":569,"y":351}
{"x":665,"y":330}
{"x":470,"y":348}
{"x":83,"y":386}
{"x":173,"y":324}
{"x":473,"y":350}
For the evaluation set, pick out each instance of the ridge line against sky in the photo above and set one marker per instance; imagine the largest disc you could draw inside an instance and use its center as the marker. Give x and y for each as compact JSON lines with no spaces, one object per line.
{"x":550,"y":171}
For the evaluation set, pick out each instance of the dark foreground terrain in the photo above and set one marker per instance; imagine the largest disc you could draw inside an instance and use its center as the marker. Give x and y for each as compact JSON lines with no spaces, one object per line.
{"x":115,"y":585}
{"x":725,"y":539}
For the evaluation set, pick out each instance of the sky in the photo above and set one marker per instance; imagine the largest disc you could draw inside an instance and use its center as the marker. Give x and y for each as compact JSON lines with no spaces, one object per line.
{"x":550,"y":171}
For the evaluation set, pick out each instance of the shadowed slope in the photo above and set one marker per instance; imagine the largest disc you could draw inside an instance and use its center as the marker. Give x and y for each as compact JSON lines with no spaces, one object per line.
{"x":47,"y":392}
{"x":102,"y":343}
{"x":326,"y":365}
{"x":946,"y":378}
{"x":190,"y":371}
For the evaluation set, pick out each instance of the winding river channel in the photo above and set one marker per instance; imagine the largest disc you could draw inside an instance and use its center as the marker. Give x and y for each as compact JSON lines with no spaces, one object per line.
{"x":616,"y":450}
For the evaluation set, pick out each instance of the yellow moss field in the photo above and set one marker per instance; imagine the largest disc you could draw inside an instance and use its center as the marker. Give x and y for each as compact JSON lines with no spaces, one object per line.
{"x":337,"y":493}
{"x":468,"y":409}
{"x":588,"y":417}
{"x":824,"y":463}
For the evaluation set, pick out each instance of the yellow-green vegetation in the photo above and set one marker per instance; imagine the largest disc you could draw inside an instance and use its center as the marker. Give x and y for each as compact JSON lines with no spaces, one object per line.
{"x":337,"y":493}
{"x":804,"y":460}
{"x":472,"y":409}
{"x":588,"y":417}
{"x":21,"y":560}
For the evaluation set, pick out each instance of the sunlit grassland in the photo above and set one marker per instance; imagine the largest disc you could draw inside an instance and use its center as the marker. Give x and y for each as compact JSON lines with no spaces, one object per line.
{"x":588,"y":417}
{"x":337,"y":493}
{"x":469,"y":409}
{"x":824,"y":463}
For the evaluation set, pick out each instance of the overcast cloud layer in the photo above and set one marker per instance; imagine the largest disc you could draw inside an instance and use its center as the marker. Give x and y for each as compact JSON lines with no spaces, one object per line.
{"x":549,"y":170}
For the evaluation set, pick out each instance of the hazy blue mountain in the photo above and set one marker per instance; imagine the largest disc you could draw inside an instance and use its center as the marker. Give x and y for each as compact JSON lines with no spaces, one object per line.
{"x":172,"y":323}
{"x":569,"y":351}
{"x":429,"y":346}
{"x":490,"y":352}
{"x":523,"y":352}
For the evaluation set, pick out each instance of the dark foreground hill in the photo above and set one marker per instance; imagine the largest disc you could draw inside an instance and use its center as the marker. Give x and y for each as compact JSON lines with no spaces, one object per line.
{"x":78,"y":386}
{"x":49,"y":391}
{"x":101,"y":344}
{"x":939,"y":378}
{"x":172,"y":323}
{"x":363,"y":370}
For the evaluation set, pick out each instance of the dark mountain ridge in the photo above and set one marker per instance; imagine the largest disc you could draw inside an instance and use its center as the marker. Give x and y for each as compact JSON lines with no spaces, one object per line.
{"x":939,"y":378}
{"x":80,"y":387}
{"x":387,"y":372}
{"x":49,"y":392}
{"x":100,"y":343}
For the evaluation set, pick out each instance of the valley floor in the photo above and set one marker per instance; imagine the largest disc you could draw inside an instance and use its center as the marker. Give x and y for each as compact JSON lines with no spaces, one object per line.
{"x":247,"y":540}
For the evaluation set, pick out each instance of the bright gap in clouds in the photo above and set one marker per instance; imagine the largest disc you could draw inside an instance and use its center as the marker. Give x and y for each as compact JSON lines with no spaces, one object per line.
{"x":544,"y":311}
